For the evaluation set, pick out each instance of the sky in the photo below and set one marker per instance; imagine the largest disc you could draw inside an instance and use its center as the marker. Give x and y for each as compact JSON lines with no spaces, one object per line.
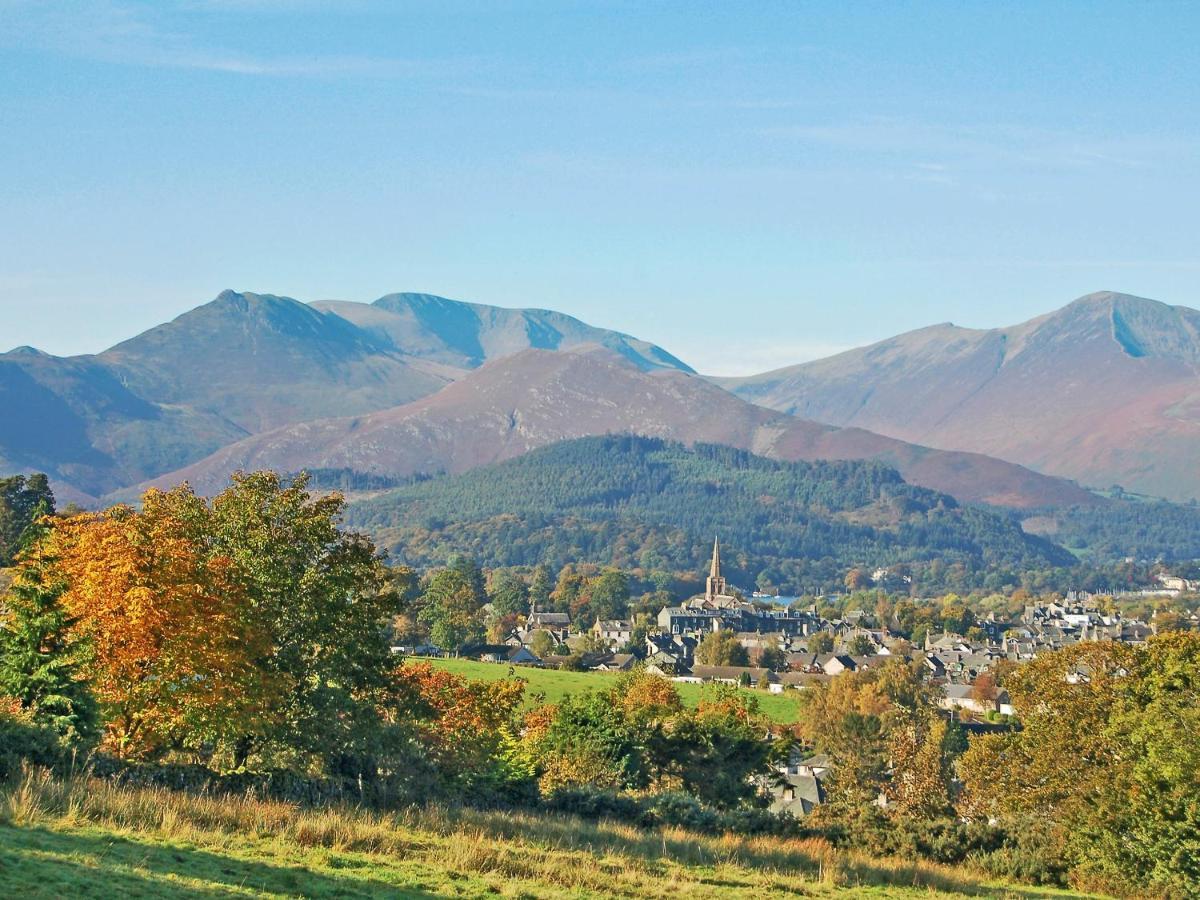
{"x":748,"y":185}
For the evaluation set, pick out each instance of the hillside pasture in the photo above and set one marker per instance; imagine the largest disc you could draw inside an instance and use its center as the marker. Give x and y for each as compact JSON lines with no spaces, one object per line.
{"x":553,"y":685}
{"x":92,"y":839}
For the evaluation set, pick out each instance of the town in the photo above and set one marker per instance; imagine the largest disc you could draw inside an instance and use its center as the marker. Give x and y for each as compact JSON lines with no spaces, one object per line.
{"x":719,"y":636}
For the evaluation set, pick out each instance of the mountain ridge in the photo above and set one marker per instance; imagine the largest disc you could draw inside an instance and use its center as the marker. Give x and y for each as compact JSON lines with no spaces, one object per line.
{"x":530,"y":399}
{"x":1104,"y":390}
{"x":237,"y":365}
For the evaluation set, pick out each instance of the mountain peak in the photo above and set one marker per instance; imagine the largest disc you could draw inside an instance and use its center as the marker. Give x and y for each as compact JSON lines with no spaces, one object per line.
{"x":1106,"y":300}
{"x":465,"y":335}
{"x":1104,"y":390}
{"x":1140,"y":327}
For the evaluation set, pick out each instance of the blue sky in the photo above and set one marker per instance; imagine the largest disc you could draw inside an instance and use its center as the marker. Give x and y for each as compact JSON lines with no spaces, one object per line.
{"x":746,"y":184}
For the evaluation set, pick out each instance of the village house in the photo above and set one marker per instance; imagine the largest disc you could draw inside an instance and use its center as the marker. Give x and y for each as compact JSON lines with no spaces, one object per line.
{"x":963,"y":697}
{"x":557,"y":623}
{"x":796,"y":787}
{"x":617,"y":632}
{"x":616,"y":662}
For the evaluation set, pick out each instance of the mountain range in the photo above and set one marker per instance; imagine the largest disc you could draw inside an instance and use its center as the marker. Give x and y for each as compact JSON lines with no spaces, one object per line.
{"x":537,"y":397}
{"x":245,"y":363}
{"x":1102,"y":391}
{"x":1105,"y":391}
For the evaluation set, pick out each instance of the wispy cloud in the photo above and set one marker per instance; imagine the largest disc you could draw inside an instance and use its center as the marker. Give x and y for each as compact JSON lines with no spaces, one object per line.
{"x":983,"y":144}
{"x":141,"y":35}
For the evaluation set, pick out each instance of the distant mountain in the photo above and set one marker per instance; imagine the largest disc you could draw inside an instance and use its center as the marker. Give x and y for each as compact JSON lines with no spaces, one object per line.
{"x":1104,"y":391}
{"x":644,"y":502}
{"x":245,"y":363}
{"x":263,"y":361}
{"x":536,"y":397}
{"x":466,"y":335}
{"x":77,"y":421}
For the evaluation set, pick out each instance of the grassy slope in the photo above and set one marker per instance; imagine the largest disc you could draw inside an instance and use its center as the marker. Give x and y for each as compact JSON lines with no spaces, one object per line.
{"x":555,"y":685}
{"x":92,"y":839}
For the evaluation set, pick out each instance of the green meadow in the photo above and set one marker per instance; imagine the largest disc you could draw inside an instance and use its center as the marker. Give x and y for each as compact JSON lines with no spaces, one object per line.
{"x":554,"y":685}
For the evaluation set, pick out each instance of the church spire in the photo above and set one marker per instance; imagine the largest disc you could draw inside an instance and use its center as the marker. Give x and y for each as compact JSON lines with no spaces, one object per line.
{"x":715,"y":585}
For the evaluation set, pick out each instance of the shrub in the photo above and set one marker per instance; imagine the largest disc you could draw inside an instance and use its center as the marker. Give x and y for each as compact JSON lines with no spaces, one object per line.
{"x":23,"y":740}
{"x":671,"y":810}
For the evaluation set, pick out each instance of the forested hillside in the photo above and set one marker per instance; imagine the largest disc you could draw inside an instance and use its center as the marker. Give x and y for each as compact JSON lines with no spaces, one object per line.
{"x":656,"y":505}
{"x":1126,"y":526}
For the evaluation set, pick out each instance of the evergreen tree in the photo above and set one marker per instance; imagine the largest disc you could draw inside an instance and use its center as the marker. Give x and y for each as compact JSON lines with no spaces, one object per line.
{"x":23,"y":501}
{"x":472,"y":574}
{"x":541,"y":587}
{"x":40,"y":659}
{"x":509,"y":595}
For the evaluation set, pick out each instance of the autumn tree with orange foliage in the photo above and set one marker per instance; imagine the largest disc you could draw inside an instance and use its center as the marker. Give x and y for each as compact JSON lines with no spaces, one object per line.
{"x":875,"y":723}
{"x":322,"y":599}
{"x":171,"y":661}
{"x":248,"y":631}
{"x":465,"y":726}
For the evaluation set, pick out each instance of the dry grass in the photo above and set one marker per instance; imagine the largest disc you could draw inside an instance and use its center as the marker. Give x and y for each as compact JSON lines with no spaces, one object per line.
{"x":248,"y":847}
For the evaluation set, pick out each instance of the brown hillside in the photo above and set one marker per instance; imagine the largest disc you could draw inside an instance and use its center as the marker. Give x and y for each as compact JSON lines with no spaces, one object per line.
{"x":1103,"y":391}
{"x":535,"y":398}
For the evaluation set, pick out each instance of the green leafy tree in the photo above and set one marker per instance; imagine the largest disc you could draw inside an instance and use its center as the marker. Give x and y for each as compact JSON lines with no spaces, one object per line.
{"x":590,"y":642}
{"x":469,"y":569}
{"x":1122,"y":720}
{"x":772,"y":658}
{"x":323,"y":597}
{"x":861,"y":645}
{"x":509,"y":595}
{"x":591,"y":742}
{"x":567,"y":590}
{"x":718,"y":747}
{"x":721,"y":648}
{"x":449,"y":607}
{"x":540,"y":587}
{"x":608,"y":595}
{"x":542,"y":644}
{"x":820,"y":642}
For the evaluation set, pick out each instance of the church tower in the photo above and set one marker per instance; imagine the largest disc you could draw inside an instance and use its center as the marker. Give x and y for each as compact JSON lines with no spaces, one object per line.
{"x":715,"y":585}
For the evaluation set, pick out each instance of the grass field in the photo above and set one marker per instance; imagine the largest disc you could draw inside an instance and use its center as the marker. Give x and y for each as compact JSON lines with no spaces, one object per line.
{"x":555,"y":685}
{"x":90,"y":839}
